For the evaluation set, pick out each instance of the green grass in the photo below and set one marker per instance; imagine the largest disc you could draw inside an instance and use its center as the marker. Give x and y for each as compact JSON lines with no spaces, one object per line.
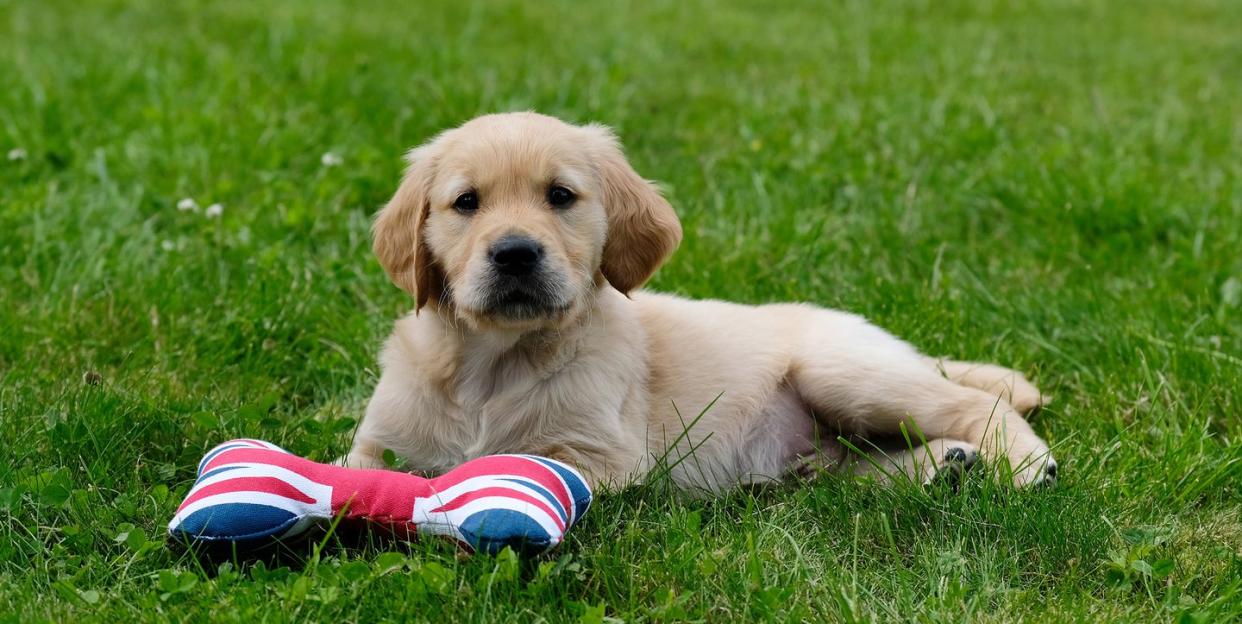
{"x":1054,"y":186}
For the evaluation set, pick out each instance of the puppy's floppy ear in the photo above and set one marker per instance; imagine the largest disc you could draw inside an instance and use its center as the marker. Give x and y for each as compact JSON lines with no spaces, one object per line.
{"x":398,"y":232}
{"x":643,"y":230}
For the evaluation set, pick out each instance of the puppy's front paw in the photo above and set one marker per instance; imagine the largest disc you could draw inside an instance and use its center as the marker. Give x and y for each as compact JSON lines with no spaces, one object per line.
{"x":954,"y":463}
{"x":365,"y":455}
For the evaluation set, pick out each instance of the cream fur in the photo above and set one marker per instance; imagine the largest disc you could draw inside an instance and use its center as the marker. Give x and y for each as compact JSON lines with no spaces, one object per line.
{"x":610,"y":382}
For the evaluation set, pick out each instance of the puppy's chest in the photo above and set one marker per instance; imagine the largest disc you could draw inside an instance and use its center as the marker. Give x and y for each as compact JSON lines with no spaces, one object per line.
{"x":515,"y":407}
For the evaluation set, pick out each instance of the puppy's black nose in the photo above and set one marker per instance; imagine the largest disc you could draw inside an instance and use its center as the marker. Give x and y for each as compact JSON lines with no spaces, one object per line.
{"x":516,"y":255}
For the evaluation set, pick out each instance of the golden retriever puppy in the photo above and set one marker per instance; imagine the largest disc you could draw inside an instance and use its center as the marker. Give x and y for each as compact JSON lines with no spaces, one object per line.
{"x":524,"y":240}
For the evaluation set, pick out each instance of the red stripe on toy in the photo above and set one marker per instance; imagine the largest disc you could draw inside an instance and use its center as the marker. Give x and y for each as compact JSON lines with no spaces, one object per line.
{"x":304,"y":467}
{"x":507,"y":466}
{"x":501,"y":492}
{"x":263,"y":485}
{"x":378,"y":495}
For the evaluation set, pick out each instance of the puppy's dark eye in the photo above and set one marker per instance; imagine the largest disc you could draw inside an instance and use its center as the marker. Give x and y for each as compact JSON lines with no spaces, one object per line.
{"x":466,"y":202}
{"x":560,"y":196}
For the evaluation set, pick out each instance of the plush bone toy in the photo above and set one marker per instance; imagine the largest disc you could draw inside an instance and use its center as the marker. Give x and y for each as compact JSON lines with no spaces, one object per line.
{"x":251,"y":493}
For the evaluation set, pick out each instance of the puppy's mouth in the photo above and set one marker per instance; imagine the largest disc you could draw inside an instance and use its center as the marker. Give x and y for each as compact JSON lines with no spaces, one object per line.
{"x":525,"y":299}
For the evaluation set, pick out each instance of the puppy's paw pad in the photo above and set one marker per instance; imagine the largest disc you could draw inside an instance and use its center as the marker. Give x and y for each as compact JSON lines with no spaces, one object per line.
{"x":1048,"y":474}
{"x":961,"y":456}
{"x":955,"y":462}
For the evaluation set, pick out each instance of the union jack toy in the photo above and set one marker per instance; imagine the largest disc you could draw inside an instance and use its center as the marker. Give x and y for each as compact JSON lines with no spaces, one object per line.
{"x":251,"y":492}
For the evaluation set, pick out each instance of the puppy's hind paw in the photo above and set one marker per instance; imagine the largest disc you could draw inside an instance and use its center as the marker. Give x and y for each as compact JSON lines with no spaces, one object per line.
{"x":1040,"y":473}
{"x":1024,"y":396}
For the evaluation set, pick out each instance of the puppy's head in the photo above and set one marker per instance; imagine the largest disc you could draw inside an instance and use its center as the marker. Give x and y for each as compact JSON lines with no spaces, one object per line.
{"x":514,"y":220}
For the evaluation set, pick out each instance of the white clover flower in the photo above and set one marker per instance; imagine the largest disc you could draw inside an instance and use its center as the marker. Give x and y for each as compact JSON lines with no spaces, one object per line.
{"x":168,"y":245}
{"x":187,"y":205}
{"x":18,"y":153}
{"x":214,"y":211}
{"x":331,"y":159}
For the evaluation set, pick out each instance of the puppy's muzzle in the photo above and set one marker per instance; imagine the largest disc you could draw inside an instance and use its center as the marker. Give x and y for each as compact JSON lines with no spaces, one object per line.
{"x":523,"y":281}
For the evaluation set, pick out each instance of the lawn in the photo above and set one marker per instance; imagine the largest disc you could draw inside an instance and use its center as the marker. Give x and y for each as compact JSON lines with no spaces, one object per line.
{"x":1054,"y":186}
